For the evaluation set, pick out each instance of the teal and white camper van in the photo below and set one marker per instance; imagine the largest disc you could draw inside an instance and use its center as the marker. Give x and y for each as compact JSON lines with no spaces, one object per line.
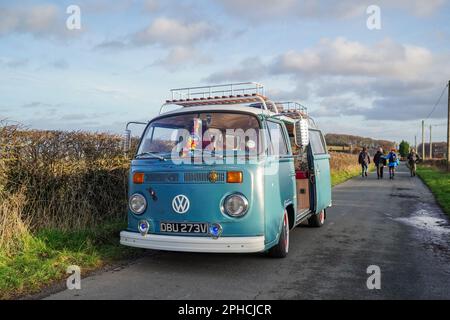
{"x":224,"y":169}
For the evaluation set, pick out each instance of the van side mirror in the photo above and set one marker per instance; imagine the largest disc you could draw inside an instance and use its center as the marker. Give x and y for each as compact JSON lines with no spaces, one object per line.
{"x":127,"y":141}
{"x":127,"y":136}
{"x":301,"y":133}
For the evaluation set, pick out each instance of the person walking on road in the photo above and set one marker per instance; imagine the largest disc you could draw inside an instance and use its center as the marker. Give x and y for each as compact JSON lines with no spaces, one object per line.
{"x":392,"y":159}
{"x":413,"y":159}
{"x":364,"y":161}
{"x":380,"y":161}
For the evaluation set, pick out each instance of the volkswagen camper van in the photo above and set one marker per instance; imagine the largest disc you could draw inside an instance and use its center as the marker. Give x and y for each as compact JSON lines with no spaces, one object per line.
{"x":224,"y":169}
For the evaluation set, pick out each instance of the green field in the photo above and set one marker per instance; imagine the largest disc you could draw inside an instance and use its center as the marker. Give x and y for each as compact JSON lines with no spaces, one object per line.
{"x":439,"y":183}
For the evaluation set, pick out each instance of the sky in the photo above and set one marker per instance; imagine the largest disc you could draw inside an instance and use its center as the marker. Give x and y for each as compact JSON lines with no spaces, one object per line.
{"x":126,"y":56}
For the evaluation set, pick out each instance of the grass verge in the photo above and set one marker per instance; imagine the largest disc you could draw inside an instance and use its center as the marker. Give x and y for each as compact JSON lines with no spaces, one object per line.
{"x":344,"y":167}
{"x":338,"y":177}
{"x":439,"y":183}
{"x":47,"y":254}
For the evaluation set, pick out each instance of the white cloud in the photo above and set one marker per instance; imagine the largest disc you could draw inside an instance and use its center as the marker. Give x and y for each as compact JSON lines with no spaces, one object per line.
{"x":249,"y":69}
{"x":38,"y":20}
{"x":340,"y":57}
{"x":259,"y":8}
{"x":180,"y":55}
{"x":170,"y":32}
{"x":343,"y":57}
{"x":268,"y":9}
{"x":180,"y":39}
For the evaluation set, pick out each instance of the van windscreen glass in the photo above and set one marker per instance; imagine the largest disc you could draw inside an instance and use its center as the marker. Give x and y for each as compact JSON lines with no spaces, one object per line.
{"x":195,"y":134}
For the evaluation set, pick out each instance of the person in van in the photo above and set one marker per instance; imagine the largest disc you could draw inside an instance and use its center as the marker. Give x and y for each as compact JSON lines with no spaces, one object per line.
{"x":380,"y":162}
{"x":364,"y":161}
{"x":413,"y":159}
{"x":392,"y":159}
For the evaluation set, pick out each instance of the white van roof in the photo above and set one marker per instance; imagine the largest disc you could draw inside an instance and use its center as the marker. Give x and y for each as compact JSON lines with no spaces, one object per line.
{"x":219,"y":108}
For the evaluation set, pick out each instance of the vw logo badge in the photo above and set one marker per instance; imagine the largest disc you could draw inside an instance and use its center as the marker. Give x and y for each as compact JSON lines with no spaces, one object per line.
{"x":180,"y":204}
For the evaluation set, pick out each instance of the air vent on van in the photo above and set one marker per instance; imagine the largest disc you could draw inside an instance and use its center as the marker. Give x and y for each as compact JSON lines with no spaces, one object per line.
{"x":203,"y":177}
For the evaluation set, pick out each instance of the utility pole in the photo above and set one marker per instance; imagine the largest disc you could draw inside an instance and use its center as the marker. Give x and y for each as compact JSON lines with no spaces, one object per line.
{"x":431,"y":143}
{"x":423,"y":139}
{"x":448,"y":130}
{"x":415,"y":143}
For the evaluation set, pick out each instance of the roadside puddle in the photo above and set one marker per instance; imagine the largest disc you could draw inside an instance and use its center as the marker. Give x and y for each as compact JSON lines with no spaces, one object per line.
{"x":426,"y":220}
{"x":432,"y":228}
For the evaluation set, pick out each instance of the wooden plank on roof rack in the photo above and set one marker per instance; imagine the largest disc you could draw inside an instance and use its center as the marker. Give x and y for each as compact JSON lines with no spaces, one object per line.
{"x":254,"y":98}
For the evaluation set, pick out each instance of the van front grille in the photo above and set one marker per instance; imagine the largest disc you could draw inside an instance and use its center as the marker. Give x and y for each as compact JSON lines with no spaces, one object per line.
{"x":160,"y":177}
{"x":202,"y":177}
{"x":188,"y":177}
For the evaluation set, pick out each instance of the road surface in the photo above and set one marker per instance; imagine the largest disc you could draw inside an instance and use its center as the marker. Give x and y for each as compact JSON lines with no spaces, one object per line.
{"x":395,"y":225}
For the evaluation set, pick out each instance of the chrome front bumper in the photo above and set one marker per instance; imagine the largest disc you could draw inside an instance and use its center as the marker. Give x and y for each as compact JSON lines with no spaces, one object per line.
{"x":193,"y":244}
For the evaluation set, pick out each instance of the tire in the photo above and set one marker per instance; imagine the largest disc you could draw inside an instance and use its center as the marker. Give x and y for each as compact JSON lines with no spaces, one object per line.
{"x":281,"y":249}
{"x":317,"y":220}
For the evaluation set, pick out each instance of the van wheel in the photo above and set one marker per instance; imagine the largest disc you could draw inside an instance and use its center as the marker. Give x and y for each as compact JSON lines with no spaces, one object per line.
{"x":317,"y":220}
{"x":282,"y":248}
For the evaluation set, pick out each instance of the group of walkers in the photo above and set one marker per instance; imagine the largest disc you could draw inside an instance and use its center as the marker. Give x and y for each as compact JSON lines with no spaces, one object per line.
{"x":390,"y":160}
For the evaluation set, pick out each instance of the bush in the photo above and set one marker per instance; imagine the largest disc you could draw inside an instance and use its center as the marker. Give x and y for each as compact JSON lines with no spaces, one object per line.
{"x":54,"y":179}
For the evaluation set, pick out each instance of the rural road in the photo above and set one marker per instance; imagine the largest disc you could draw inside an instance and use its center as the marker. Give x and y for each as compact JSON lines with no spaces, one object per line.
{"x":395,"y":225}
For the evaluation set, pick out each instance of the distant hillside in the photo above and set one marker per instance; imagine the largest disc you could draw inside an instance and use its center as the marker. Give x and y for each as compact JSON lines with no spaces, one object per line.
{"x":357,"y":142}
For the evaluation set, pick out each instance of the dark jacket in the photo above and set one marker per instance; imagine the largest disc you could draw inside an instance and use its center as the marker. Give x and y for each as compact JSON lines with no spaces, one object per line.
{"x":379,"y":158}
{"x":413,"y":157}
{"x":364,"y":157}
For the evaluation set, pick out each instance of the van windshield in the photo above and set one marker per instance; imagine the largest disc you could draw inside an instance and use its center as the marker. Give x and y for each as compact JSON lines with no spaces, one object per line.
{"x":197,"y":134}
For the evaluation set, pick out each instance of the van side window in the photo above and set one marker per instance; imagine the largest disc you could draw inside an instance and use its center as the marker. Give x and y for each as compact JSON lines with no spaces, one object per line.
{"x":278,"y":139}
{"x":317,"y":143}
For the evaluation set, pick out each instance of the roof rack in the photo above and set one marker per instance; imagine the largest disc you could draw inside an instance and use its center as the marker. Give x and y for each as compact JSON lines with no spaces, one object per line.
{"x":291,"y":106}
{"x":213,"y":91}
{"x":295,"y":110}
{"x":234,"y":93}
{"x":227,"y":94}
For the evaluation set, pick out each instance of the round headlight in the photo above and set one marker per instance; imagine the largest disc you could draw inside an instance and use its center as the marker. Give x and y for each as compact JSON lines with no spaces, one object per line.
{"x":235,"y":205}
{"x":138,"y":204}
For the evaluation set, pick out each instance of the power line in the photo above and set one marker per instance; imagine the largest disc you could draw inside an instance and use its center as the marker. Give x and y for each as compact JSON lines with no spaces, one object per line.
{"x":437,"y":103}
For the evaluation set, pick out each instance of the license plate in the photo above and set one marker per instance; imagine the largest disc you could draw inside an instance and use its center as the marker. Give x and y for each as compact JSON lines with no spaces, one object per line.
{"x":196,"y":228}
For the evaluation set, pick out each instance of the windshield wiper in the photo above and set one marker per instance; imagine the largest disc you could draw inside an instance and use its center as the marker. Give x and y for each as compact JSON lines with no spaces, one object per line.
{"x":150,"y":155}
{"x":213,"y":153}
